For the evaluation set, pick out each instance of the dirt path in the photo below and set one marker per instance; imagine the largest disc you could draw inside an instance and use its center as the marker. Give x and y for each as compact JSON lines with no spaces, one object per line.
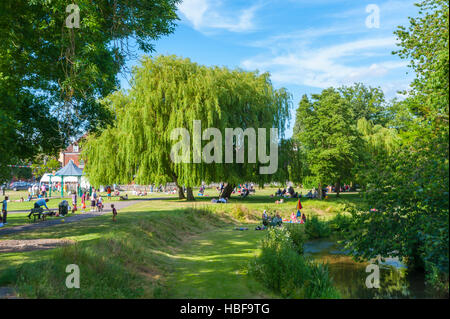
{"x":51,"y":222}
{"x":10,"y":246}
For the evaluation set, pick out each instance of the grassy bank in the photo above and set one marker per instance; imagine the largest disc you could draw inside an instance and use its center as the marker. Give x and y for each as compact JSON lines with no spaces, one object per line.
{"x":163,"y":248}
{"x":127,"y":259}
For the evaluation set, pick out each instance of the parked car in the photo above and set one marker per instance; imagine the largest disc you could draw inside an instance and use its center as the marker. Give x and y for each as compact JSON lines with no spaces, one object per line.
{"x":19,"y":186}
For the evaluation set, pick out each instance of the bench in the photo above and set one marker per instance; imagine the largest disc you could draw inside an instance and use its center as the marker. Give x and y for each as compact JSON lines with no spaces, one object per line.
{"x":41,"y":215}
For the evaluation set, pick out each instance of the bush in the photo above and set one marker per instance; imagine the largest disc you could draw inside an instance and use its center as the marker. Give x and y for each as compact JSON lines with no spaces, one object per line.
{"x":298,"y":236}
{"x":317,"y":228}
{"x":340,"y":223}
{"x":239,"y":212}
{"x":282,"y":269}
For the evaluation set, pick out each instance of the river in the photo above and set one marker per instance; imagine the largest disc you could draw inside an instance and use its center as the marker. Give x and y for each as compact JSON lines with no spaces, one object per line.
{"x":349,"y":277}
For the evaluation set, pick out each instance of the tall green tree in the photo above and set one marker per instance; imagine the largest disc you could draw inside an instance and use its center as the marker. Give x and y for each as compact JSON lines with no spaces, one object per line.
{"x":170,"y":93}
{"x":410,"y":188}
{"x":366,"y":102}
{"x":379,"y":143}
{"x":52,"y":76}
{"x":44,"y":164}
{"x":325,"y":130}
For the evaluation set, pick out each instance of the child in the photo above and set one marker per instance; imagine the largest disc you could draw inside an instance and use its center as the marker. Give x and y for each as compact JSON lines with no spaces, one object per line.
{"x":74,"y":202}
{"x":93,"y":203}
{"x":100,"y":203}
{"x":114,"y":211}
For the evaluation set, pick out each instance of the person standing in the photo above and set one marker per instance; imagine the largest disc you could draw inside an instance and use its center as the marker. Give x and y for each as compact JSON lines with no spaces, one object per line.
{"x":43,"y":190}
{"x":114,"y":211}
{"x":5,"y":209}
{"x":74,"y":202}
{"x":93,"y":202}
{"x":83,"y":201}
{"x":100,"y":203}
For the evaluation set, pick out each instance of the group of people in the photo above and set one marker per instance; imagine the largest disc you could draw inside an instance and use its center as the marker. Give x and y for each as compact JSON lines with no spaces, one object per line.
{"x":272,"y":220}
{"x":312,"y":194}
{"x":95,"y":200}
{"x":289,"y":193}
{"x":37,"y":192}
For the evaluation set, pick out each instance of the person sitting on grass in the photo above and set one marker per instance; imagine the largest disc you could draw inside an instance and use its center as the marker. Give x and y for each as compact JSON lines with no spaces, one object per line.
{"x":40,"y":202}
{"x":220,"y":200}
{"x":265,"y":218}
{"x":276,"y":220}
{"x":245,"y":192}
{"x":279,"y":220}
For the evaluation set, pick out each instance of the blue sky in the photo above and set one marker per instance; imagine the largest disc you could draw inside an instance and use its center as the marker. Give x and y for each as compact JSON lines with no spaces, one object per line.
{"x":306,"y":45}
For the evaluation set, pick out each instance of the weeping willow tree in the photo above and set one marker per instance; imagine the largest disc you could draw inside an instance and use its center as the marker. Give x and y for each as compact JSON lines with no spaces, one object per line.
{"x":169,"y":93}
{"x":379,"y":142}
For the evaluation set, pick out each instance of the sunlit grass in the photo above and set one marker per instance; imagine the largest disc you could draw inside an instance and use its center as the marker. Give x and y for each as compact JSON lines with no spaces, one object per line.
{"x":160,"y":248}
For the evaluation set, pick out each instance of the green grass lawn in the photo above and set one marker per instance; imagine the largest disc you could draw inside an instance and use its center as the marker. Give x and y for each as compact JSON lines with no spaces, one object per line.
{"x":213,"y":265}
{"x":162,"y":248}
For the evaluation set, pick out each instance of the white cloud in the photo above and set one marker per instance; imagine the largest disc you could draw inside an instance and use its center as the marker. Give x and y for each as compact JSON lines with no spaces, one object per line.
{"x":207,"y":15}
{"x":334,"y":65}
{"x":194,"y":11}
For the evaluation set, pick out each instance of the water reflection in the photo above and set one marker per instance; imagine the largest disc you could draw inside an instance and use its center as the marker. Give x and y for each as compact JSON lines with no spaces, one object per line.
{"x":350,"y":277}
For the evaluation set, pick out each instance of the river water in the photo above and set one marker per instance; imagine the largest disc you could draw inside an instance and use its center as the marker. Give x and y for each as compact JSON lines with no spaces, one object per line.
{"x":349,"y":277}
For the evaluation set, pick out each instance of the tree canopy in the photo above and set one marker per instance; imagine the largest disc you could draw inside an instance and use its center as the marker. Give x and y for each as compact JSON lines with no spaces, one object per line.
{"x":52,"y":76}
{"x":170,"y":93}
{"x":409,"y":188}
{"x":325,"y":130}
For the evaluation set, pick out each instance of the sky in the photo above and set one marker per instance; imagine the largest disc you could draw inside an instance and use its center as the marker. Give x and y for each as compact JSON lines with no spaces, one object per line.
{"x":306,"y":45}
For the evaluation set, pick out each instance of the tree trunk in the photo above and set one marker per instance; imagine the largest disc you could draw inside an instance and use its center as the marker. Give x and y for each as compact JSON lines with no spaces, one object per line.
{"x":180,"y":192}
{"x":190,"y":194}
{"x":227,"y":191}
{"x":338,"y":188}
{"x":320,"y":191}
{"x":180,"y":189}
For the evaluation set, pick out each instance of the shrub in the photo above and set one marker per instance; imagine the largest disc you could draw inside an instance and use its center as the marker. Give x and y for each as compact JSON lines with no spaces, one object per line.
{"x":317,"y":228}
{"x":340,"y":223}
{"x":321,"y":285}
{"x":298,"y":236}
{"x":282,"y":269}
{"x":239,"y":212}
